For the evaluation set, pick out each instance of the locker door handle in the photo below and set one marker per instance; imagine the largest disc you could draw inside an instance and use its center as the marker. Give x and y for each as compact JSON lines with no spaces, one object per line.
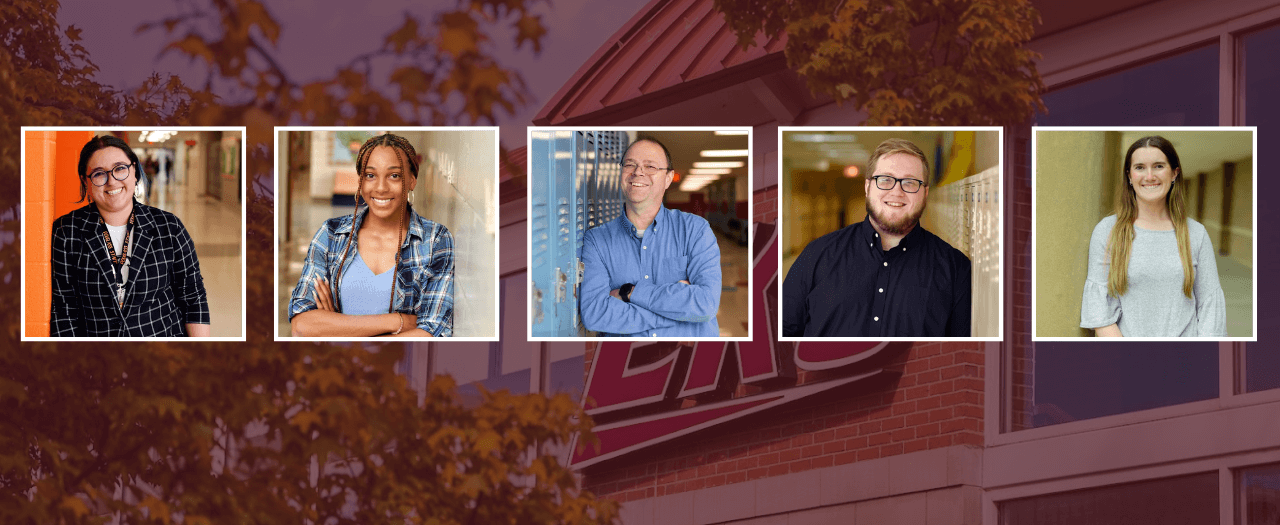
{"x":537,"y":305}
{"x":561,"y":280}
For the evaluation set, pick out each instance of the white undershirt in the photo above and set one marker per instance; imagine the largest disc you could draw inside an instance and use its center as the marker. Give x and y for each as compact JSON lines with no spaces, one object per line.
{"x":640,"y":233}
{"x":117,"y":240}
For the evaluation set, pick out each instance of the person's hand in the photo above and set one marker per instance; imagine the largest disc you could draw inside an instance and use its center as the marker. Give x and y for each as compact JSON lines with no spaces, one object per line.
{"x":684,"y":281}
{"x":616,"y":294}
{"x":324,"y":299}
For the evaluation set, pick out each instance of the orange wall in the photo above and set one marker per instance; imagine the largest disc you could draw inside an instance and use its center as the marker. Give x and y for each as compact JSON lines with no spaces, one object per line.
{"x":52,"y":188}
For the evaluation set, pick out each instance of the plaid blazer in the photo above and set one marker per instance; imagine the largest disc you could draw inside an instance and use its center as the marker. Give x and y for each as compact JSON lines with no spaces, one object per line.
{"x":164,"y":291}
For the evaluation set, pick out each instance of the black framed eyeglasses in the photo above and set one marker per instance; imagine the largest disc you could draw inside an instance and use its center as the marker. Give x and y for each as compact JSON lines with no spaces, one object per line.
{"x":886,"y":183}
{"x":120,"y":172}
{"x":648,"y":171}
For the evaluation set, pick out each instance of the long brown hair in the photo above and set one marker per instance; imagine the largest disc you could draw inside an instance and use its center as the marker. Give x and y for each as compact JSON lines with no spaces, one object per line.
{"x":1121,"y":242}
{"x":409,"y":160}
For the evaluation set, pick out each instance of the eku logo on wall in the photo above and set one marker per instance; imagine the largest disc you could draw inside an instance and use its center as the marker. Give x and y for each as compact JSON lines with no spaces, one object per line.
{"x":642,"y":394}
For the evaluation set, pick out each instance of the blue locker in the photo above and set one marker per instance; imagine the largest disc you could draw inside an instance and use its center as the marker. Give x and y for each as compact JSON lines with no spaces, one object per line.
{"x":575,"y":185}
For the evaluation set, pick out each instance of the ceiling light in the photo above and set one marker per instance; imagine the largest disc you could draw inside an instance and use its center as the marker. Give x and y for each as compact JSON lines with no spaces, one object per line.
{"x":821,"y":137}
{"x":710,"y":171}
{"x":725,"y":153}
{"x":719,"y":164}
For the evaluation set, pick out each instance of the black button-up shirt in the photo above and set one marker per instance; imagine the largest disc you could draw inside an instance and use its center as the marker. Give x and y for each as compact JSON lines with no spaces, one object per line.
{"x":844,"y":285}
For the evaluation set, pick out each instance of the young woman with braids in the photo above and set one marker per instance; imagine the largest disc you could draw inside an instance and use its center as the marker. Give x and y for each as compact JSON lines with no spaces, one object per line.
{"x":1152,"y":271}
{"x":384,"y":270}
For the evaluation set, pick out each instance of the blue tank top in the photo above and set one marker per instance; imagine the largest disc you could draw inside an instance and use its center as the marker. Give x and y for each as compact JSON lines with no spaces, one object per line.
{"x":364,"y":293}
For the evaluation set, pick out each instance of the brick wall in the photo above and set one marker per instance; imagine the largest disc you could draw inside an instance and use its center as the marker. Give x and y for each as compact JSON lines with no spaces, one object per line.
{"x":766,"y":205}
{"x":935,"y":402}
{"x":1018,"y":299}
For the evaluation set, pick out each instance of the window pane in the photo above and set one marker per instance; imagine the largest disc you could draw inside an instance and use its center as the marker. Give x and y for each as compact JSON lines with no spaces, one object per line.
{"x":1186,"y":500}
{"x":1180,"y":90}
{"x":1062,"y":382}
{"x":1260,"y":488}
{"x":1260,"y":52}
{"x":1261,"y":368}
{"x":473,"y":364}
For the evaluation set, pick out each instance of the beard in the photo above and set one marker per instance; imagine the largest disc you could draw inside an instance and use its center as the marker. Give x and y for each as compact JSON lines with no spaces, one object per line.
{"x":902,"y":226}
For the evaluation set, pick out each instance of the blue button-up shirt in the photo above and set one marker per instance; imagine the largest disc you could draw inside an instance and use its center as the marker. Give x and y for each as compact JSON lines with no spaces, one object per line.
{"x":423,"y":283}
{"x":677,"y":246}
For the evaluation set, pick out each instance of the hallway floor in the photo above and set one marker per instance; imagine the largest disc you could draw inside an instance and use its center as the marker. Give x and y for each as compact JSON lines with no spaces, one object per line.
{"x":218,"y":247}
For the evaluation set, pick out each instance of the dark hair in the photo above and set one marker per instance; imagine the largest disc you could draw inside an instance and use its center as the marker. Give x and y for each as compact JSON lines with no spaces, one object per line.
{"x":1154,"y":141}
{"x":93,"y":146}
{"x":408,"y":159}
{"x":665,"y":151}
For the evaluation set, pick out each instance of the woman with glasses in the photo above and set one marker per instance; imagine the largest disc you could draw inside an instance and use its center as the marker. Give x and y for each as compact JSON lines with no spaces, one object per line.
{"x":122,"y":268}
{"x":1152,"y":271}
{"x":384,"y":270}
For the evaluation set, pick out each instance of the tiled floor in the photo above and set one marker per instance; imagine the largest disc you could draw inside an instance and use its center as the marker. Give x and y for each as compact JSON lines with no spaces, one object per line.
{"x":218,"y":247}
{"x":735,"y":263}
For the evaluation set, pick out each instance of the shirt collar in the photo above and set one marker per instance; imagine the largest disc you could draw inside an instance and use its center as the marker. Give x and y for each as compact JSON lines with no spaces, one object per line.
{"x":627,"y":226}
{"x":871,"y":236}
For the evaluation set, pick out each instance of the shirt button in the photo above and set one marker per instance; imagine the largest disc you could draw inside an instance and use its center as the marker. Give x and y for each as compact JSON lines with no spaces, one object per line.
{"x":886,"y":263}
{"x":876,"y":318}
{"x":655,"y":334}
{"x":645,"y":247}
{"x":882,"y":290}
{"x":646,"y":277}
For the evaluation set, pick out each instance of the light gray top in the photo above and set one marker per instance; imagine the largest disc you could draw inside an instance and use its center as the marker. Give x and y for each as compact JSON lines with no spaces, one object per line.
{"x":364,"y":293}
{"x":1154,"y":305}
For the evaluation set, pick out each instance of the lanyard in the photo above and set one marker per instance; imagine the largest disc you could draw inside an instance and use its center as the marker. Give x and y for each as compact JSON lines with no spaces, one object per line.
{"x":122,"y":260}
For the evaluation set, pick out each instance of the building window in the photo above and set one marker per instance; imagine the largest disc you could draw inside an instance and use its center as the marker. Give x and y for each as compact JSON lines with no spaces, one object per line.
{"x":1259,"y":54}
{"x":1261,"y":368}
{"x":1171,"y":501}
{"x":1260,"y":495}
{"x":1056,"y":383}
{"x":1179,"y":90}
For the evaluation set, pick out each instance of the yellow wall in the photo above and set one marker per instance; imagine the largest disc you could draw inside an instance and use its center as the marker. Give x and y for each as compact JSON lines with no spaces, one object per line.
{"x":1067,"y":164}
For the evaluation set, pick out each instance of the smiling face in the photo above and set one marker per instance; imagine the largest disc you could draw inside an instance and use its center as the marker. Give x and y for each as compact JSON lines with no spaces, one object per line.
{"x":895,"y":211}
{"x":383,"y":183}
{"x":115,"y":195}
{"x":640,"y":189}
{"x":1151,"y":175}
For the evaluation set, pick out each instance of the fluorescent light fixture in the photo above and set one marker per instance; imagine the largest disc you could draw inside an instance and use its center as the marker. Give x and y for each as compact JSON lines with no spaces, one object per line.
{"x":719,"y":164}
{"x":821,"y":137}
{"x":731,"y":132}
{"x":710,"y":171}
{"x":724,"y":153}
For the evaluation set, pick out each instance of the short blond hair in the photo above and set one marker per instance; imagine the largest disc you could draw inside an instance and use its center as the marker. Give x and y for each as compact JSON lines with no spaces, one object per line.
{"x":891,"y":146}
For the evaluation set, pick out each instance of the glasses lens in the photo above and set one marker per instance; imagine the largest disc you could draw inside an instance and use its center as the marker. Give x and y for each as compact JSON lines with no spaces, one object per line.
{"x":885,"y":183}
{"x":120,"y":172}
{"x":99,"y":178}
{"x":910,"y":185}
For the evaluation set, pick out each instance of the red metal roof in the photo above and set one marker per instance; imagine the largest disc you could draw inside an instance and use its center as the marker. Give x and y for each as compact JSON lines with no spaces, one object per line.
{"x":671,"y":47}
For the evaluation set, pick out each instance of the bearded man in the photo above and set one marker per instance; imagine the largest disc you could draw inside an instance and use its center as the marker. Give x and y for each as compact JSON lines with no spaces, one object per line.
{"x":886,"y":276}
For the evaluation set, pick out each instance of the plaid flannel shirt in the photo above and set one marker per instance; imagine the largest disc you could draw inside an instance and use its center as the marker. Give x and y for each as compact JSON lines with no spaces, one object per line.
{"x":423,"y":286}
{"x":164,"y":292}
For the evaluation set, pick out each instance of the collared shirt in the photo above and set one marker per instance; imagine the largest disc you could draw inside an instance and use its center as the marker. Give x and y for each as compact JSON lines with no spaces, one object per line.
{"x":844,"y":284}
{"x":423,"y":282}
{"x":676,"y":247}
{"x":164,"y":291}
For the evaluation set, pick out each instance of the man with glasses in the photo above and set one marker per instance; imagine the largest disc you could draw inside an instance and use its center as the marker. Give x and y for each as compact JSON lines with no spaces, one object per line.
{"x":886,"y":276}
{"x":653,"y":271}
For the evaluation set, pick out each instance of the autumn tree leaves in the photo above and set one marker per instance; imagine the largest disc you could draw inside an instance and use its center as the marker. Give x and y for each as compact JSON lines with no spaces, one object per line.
{"x":907,"y":62}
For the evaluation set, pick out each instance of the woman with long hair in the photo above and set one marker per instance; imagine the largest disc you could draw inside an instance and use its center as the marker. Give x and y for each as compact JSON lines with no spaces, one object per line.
{"x":384,"y":270}
{"x":121,"y":268}
{"x":1152,"y":271}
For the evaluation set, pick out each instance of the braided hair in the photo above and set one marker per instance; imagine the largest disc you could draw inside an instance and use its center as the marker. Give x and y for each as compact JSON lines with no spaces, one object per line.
{"x":409,"y":161}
